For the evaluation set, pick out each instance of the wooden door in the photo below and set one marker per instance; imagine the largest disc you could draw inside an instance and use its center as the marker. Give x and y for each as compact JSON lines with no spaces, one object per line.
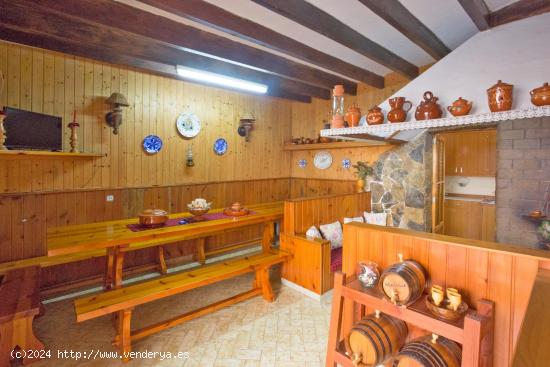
{"x":488,"y":153}
{"x":450,"y":153}
{"x":438,"y":185}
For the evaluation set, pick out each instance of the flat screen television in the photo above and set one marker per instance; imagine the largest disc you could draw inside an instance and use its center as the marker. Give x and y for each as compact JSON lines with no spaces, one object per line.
{"x":27,"y":130}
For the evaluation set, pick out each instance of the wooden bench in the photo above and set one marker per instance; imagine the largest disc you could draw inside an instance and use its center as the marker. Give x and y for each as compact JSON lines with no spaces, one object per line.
{"x":19,"y":304}
{"x":310,"y":266}
{"x":121,"y":301}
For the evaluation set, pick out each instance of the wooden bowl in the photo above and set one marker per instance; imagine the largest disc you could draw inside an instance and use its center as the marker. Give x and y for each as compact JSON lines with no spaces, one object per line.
{"x":239,"y":213}
{"x":445,"y":313}
{"x":153,"y":217}
{"x":198,"y":212}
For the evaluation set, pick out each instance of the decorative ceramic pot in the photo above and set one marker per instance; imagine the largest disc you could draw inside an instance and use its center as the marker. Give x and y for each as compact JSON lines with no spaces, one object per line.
{"x":360,"y":184}
{"x":353,"y":116}
{"x":541,"y":96}
{"x":397,"y":112}
{"x":428,"y":108}
{"x":368,"y":274}
{"x":375,"y":116}
{"x":460,"y":107}
{"x":500,"y":97}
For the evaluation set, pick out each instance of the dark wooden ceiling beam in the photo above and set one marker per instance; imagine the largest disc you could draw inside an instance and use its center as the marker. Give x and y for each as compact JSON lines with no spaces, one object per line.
{"x":478,"y":11}
{"x":64,"y":29}
{"x":399,"y":17}
{"x":314,"y":18}
{"x":113,"y":14}
{"x":210,"y":15}
{"x":519,"y":10}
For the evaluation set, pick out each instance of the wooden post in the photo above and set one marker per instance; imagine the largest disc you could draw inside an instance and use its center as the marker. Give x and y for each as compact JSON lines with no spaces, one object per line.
{"x":335,"y":318}
{"x":109,"y":268}
{"x":201,"y":256}
{"x":161,"y":261}
{"x":119,"y":261}
{"x":124,"y":338}
{"x":267,"y":239}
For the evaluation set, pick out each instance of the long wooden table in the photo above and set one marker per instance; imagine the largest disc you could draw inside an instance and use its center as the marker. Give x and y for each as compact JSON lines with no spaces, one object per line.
{"x":117,"y":238}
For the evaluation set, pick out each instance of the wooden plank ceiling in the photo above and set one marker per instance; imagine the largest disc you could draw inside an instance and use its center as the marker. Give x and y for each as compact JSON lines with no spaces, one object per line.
{"x":298,"y":48}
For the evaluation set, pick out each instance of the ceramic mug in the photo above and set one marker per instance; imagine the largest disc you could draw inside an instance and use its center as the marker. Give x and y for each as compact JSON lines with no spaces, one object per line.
{"x":455,"y":299}
{"x":452,"y":290}
{"x":437,"y":296}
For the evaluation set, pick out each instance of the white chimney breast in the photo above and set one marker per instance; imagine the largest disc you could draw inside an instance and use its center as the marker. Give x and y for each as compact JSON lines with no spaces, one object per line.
{"x":516,"y":53}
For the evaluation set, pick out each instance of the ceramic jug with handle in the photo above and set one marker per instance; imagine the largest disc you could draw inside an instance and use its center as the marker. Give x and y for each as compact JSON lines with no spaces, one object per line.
{"x":398,"y":111}
{"x":428,"y":108}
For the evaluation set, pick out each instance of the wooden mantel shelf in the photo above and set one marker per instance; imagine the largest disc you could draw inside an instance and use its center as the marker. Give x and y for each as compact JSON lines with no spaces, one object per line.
{"x":19,"y":154}
{"x":324,"y":146}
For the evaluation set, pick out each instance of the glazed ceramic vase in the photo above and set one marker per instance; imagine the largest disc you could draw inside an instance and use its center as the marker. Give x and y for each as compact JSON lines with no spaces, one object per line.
{"x":398,"y":111}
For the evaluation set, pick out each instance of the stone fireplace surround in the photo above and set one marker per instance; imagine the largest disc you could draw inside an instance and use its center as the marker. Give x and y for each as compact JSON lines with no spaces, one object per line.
{"x":402,"y":182}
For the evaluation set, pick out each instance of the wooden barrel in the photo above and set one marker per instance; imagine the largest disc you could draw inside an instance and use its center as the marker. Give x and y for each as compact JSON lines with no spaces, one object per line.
{"x":404,"y":282}
{"x":375,"y":338}
{"x":427,"y":351}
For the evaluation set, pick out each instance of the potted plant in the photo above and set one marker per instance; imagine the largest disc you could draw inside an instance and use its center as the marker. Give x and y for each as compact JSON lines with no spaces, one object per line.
{"x":364,"y":170}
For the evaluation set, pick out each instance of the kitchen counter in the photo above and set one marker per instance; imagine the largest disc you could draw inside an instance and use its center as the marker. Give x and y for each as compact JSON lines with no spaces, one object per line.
{"x":489,"y":201}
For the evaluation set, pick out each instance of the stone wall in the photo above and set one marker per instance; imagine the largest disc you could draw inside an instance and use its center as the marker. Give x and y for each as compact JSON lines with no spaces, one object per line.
{"x":523,"y":164}
{"x":402,"y":184}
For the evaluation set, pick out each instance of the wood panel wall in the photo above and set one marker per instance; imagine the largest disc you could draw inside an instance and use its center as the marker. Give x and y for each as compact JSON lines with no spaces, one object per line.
{"x":58,"y":84}
{"x":478,"y":269}
{"x":311,"y":187}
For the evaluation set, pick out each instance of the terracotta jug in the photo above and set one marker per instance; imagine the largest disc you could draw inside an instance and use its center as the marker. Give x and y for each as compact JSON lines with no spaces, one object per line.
{"x":397,"y":112}
{"x":375,"y":116}
{"x":353,"y":115}
{"x":460,"y":107}
{"x":541,"y":96}
{"x":428,"y":108}
{"x":500,"y":96}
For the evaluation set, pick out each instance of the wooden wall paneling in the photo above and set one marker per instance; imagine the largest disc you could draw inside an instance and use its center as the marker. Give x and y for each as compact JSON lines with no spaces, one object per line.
{"x":477,"y":275}
{"x":6,"y":225}
{"x":526,"y":270}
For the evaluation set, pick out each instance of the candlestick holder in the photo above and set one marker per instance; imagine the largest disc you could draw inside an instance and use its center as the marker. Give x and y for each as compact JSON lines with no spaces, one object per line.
{"x":74,"y":138}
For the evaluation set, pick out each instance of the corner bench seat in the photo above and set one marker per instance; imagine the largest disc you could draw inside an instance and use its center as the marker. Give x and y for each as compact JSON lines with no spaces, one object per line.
{"x":122,"y":300}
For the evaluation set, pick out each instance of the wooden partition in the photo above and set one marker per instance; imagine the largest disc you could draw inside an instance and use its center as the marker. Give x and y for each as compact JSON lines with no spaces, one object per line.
{"x":501,"y":273}
{"x":310,"y":265}
{"x":302,"y":213}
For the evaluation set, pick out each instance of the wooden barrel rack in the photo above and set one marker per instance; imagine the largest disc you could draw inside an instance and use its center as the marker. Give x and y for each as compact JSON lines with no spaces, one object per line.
{"x":350,"y":300}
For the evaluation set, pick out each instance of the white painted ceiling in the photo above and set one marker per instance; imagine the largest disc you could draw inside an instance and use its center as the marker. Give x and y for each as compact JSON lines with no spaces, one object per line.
{"x":494,"y":5}
{"x":445,"y":18}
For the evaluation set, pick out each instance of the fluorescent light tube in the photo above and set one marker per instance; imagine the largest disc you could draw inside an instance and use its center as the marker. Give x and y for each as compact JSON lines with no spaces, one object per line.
{"x":218,"y":79}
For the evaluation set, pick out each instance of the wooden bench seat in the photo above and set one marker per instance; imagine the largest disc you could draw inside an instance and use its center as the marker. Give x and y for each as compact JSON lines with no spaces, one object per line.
{"x":19,"y":304}
{"x":121,"y":301}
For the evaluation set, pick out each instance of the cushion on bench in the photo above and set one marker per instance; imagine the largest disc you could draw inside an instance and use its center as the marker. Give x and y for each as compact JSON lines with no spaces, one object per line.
{"x":336,"y":259}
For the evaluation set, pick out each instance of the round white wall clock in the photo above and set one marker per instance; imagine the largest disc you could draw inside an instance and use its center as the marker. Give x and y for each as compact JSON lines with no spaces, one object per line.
{"x":188,"y":124}
{"x":322,"y":160}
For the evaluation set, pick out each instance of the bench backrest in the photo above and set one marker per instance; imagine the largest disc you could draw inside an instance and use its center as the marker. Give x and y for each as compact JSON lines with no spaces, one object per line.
{"x":300,"y":214}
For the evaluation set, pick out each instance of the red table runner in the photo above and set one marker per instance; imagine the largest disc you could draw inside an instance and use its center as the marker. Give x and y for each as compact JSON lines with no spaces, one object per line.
{"x":136,"y":227}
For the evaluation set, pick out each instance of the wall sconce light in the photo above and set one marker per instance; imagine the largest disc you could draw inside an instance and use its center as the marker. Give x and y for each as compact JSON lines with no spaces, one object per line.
{"x":114,"y":118}
{"x":246,"y":123}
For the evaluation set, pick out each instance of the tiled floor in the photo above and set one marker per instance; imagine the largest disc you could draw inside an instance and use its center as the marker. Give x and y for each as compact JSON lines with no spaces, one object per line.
{"x":292,"y":331}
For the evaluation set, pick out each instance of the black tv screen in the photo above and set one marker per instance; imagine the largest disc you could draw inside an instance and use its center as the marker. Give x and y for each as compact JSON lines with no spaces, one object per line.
{"x":27,"y":130}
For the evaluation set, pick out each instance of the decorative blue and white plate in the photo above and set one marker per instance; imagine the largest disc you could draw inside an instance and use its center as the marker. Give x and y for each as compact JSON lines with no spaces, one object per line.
{"x":220,"y":146}
{"x":152,"y":144}
{"x":346,"y":163}
{"x":188,"y":124}
{"x":302,"y":163}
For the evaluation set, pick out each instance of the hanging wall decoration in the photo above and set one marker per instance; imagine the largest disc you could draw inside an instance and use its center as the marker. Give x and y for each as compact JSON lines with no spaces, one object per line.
{"x":246,"y":123}
{"x":188,"y":125}
{"x":190,"y":161}
{"x":220,"y":146}
{"x":152,"y":144}
{"x":346,"y":163}
{"x":302,"y":163}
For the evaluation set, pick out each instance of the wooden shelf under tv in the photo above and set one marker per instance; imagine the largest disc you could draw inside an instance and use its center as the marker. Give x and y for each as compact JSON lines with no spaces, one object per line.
{"x":21,"y":154}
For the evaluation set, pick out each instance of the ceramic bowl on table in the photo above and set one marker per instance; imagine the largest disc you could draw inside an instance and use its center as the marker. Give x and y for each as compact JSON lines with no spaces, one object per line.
{"x":153,"y":217}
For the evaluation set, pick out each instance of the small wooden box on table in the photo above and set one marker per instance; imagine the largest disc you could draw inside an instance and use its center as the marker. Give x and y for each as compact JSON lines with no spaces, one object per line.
{"x":474,"y":331}
{"x":19,"y":304}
